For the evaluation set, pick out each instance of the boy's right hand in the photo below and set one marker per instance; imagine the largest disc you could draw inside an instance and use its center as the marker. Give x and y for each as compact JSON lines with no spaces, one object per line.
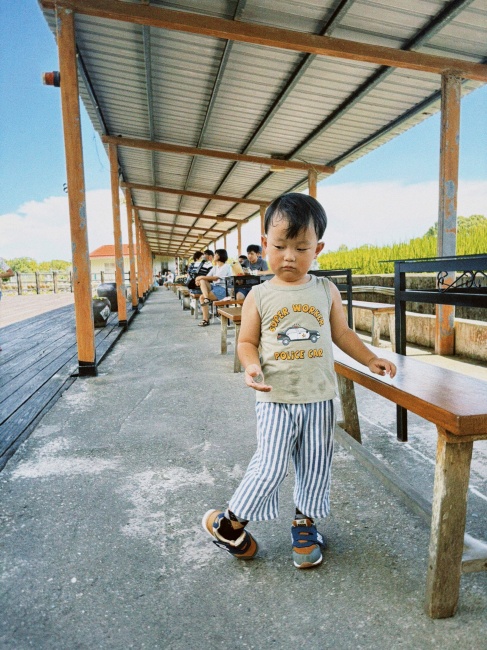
{"x":254,"y":378}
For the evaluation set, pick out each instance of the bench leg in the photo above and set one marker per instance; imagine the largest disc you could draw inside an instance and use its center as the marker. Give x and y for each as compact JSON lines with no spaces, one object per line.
{"x":392,"y":331}
{"x":224,"y":331}
{"x":375,"y":330}
{"x":236,"y":360}
{"x":447,"y":526}
{"x":186,"y":302}
{"x":350,"y":422}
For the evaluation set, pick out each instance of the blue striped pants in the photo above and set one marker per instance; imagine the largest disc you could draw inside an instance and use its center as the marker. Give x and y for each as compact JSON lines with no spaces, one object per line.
{"x":303,"y":432}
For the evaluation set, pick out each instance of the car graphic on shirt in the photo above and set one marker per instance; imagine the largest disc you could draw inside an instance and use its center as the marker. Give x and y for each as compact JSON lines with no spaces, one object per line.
{"x":297,"y":334}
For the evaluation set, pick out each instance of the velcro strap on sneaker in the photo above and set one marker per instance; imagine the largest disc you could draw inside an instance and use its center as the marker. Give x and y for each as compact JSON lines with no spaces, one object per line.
{"x":304,"y":536}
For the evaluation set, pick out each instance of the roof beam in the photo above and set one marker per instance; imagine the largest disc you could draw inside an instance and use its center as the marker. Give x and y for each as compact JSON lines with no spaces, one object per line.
{"x":195,"y":215}
{"x":200,"y":195}
{"x":151,"y":145}
{"x":270,"y":36}
{"x":179,"y":225}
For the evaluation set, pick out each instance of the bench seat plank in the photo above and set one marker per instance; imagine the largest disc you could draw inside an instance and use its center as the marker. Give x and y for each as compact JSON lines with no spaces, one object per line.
{"x":425,"y":389}
{"x":380,"y":307}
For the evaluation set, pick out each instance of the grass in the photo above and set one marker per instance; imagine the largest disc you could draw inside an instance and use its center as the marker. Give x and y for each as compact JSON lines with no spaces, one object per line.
{"x":369,"y":260}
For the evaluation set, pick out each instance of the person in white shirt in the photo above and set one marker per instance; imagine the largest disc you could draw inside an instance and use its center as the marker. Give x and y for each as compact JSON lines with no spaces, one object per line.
{"x":169,"y":280}
{"x":213,"y":285}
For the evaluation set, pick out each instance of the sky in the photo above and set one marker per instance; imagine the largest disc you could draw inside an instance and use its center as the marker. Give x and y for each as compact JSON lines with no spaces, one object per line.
{"x":399,"y":178}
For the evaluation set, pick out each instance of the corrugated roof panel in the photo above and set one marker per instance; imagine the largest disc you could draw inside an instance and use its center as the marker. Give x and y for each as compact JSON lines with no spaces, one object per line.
{"x":250,"y":82}
{"x":464,"y":37}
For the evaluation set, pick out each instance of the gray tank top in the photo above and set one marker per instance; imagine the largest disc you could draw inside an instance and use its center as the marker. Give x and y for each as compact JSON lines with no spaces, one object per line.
{"x":296,"y":348}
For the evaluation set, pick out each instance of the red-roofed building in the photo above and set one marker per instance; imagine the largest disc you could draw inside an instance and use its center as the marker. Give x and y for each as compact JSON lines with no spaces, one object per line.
{"x":103,"y":259}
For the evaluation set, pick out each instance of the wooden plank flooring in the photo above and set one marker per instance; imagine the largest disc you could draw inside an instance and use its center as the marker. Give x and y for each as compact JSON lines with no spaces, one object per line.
{"x":37,"y":363}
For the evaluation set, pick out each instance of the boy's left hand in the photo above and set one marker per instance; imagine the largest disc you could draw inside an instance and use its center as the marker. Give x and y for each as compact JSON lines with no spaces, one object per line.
{"x":382,"y":367}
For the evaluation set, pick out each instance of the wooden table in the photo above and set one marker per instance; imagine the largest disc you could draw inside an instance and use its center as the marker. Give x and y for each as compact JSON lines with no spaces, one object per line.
{"x":233,"y":315}
{"x":378,"y":309}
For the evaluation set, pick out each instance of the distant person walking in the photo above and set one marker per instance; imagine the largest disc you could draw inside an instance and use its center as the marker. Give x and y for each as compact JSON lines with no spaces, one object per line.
{"x":5,"y":272}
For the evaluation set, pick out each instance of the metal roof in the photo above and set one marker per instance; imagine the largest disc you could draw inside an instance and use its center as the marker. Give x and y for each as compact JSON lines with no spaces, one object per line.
{"x":199,"y":90}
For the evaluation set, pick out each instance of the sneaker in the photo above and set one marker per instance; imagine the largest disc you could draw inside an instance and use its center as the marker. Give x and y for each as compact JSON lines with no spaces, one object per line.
{"x":244,"y":548}
{"x":307,"y":544}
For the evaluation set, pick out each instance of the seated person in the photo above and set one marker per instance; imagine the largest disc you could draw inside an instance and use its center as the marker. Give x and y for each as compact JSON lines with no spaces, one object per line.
{"x":201,"y":265}
{"x":256,"y":266}
{"x":213,"y":285}
{"x":244,"y":261}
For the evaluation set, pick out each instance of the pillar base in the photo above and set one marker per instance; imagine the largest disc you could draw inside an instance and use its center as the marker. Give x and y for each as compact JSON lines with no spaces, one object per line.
{"x":124,"y":324}
{"x":87,"y":369}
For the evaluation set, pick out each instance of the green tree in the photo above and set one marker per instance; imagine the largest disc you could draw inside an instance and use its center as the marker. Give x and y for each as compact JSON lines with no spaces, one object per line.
{"x":54,"y":265}
{"x":23,"y":265}
{"x":463,"y":223}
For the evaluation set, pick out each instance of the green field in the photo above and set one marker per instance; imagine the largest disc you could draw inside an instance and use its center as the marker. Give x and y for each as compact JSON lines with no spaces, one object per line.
{"x":368,"y":260}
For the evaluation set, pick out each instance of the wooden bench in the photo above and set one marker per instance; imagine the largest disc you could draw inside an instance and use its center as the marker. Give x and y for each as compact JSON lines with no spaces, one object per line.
{"x":378,"y":310}
{"x":457,"y":405}
{"x":226,"y":302}
{"x":230,"y":315}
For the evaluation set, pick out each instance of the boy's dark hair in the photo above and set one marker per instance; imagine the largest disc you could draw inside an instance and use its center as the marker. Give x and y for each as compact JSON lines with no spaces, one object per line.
{"x":243,"y":257}
{"x":253,"y":248}
{"x":198,"y":255}
{"x":208,"y":252}
{"x":222,"y":254}
{"x":299,"y":210}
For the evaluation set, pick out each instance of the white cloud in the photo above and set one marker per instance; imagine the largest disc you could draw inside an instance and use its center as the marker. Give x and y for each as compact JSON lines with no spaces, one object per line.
{"x":40,"y":229}
{"x":358,"y":213}
{"x":388,"y":212}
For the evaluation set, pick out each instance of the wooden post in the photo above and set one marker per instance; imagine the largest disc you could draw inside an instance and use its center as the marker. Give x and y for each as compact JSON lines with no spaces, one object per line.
{"x":145,"y":257}
{"x":447,"y":215}
{"x":71,"y":281}
{"x":138,"y":250}
{"x":55,"y":281}
{"x":225,"y":242}
{"x":85,"y":330}
{"x":133,"y":277}
{"x":38,"y":283}
{"x":312,"y":182}
{"x":262,"y":220}
{"x":19,"y":283}
{"x":117,"y":235}
{"x":239,"y":239}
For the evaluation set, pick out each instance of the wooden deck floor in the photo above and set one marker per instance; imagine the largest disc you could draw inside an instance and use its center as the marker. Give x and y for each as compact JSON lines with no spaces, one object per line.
{"x":37,"y":363}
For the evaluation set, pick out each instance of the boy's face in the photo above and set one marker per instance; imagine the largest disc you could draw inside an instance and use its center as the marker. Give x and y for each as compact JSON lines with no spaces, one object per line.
{"x":253,"y":257}
{"x":290,"y":259}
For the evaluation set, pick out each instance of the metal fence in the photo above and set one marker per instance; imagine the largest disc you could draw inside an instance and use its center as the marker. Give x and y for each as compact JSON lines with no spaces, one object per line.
{"x":51,"y":282}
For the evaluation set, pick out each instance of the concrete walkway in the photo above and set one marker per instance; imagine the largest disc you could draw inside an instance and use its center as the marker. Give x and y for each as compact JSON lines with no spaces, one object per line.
{"x":100,"y":509}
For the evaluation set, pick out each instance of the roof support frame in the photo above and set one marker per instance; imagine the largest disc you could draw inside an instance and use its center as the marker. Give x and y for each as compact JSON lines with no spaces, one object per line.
{"x":423,"y":35}
{"x":201,"y":195}
{"x":216,"y":87}
{"x":270,"y":36}
{"x":297,"y":74}
{"x":152,"y":145}
{"x":189,"y":214}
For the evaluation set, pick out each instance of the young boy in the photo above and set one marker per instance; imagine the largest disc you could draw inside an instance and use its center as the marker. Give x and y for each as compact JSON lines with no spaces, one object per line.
{"x":285,"y":346}
{"x":255,"y":266}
